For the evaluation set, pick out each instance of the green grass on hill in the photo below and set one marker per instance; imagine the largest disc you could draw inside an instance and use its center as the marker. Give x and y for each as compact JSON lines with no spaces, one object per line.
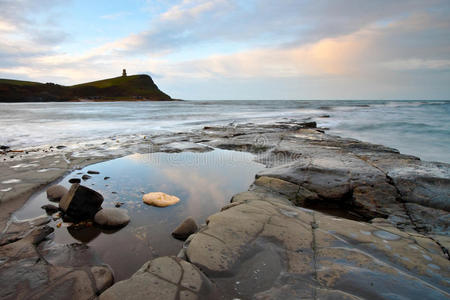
{"x":109,"y":82}
{"x":134,"y":87}
{"x":18,"y":82}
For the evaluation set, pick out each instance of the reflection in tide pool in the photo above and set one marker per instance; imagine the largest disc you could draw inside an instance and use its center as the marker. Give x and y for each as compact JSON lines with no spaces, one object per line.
{"x":204,"y":182}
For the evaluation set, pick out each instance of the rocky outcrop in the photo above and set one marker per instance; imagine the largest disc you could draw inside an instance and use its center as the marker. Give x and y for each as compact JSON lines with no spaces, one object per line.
{"x":35,"y":268}
{"x":383,"y":233}
{"x":166,"y":278}
{"x":328,"y":171}
{"x":263,"y":247}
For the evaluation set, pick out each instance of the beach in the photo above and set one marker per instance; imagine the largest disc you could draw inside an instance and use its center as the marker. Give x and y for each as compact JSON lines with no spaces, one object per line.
{"x":316,"y":199}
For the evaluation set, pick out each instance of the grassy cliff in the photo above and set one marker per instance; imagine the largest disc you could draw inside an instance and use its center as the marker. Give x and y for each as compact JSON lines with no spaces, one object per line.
{"x":136,"y":87}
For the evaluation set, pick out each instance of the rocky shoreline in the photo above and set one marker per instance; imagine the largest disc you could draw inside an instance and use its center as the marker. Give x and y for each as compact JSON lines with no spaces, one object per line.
{"x":270,"y":242}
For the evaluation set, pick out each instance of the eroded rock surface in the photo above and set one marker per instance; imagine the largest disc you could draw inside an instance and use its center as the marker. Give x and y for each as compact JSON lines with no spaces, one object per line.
{"x":329,"y":171}
{"x":32,"y":267}
{"x":163,"y":278}
{"x":263,"y":247}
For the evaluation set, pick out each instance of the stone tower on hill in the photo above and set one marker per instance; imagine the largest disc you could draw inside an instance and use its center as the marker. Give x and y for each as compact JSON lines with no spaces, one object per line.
{"x":124,"y":72}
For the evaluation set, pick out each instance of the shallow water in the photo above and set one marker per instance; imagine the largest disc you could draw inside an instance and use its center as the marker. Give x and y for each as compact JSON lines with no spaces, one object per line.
{"x":420,"y":128}
{"x":204,"y":182}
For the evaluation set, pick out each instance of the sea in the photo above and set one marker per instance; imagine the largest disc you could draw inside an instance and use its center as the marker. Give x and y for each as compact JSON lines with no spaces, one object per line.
{"x":420,"y":128}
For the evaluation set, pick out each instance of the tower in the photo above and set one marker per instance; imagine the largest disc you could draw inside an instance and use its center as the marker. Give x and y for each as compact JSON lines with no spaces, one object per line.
{"x":124,"y":72}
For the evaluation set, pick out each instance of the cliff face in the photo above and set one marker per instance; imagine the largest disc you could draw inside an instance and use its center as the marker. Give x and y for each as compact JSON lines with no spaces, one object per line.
{"x":136,"y":87}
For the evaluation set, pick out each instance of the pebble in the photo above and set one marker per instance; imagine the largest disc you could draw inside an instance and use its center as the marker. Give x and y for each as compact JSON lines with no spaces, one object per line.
{"x":74,"y":180}
{"x":85,"y":177}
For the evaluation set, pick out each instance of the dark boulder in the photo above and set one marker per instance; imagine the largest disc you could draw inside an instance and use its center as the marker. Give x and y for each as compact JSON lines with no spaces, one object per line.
{"x":185,"y":229}
{"x":74,"y":180}
{"x":309,"y":125}
{"x":81,"y":202}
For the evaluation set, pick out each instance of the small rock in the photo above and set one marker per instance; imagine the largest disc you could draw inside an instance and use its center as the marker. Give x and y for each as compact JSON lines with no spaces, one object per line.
{"x":81,"y":202}
{"x":60,"y":147}
{"x":4,"y":147}
{"x":112,"y":217}
{"x":85,"y":177}
{"x":185,"y":229}
{"x":118,"y":204}
{"x":309,"y":125}
{"x":50,"y":208}
{"x":160,"y":199}
{"x":106,"y":178}
{"x":74,"y":180}
{"x":56,"y":192}
{"x":93,"y":172}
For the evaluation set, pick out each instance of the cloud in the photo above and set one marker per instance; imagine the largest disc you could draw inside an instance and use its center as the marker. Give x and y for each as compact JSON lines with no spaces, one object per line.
{"x":190,"y":9}
{"x":418,"y":64}
{"x":328,"y":43}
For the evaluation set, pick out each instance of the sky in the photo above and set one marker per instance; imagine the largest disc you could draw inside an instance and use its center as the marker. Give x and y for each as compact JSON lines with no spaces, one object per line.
{"x":235,"y":49}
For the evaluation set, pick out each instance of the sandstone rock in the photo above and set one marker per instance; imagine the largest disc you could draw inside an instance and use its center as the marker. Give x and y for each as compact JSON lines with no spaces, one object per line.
{"x":38,"y":269}
{"x":81,"y":202}
{"x":112,"y":217}
{"x":185,"y":229}
{"x":104,"y":277}
{"x":266,"y":248}
{"x":184,"y":146}
{"x":50,"y":208}
{"x":56,"y":192}
{"x":163,"y":278}
{"x":160,"y":199}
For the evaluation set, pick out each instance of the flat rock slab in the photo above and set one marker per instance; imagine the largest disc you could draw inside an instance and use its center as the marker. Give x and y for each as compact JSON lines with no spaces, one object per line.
{"x":34,"y":268}
{"x":163,"y":278}
{"x":263,"y":247}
